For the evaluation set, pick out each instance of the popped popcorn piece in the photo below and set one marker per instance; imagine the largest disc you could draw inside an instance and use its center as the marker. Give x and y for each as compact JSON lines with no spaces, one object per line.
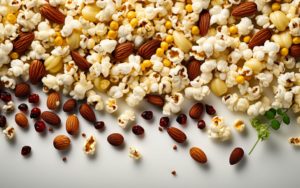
{"x":218,"y":130}
{"x":90,"y":145}
{"x":125,"y":117}
{"x":95,"y":100}
{"x":111,"y":105}
{"x":134,"y":153}
{"x":239,"y":125}
{"x":173,"y":103}
{"x":8,"y":82}
{"x":295,"y":141}
{"x":9,"y":132}
{"x":81,"y":87}
{"x":8,"y":107}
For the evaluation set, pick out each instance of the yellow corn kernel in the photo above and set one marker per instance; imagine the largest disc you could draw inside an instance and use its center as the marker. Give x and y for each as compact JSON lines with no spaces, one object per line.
{"x":112,"y":34}
{"x":167,"y":62}
{"x":146,"y":64}
{"x":114,"y":25}
{"x":11,"y":18}
{"x":168,"y":24}
{"x":276,"y":6}
{"x":233,"y":29}
{"x":189,"y":8}
{"x":131,"y":15}
{"x":14,"y":55}
{"x":58,"y":41}
{"x":57,"y":33}
{"x":296,"y":40}
{"x":169,"y":39}
{"x":240,"y":79}
{"x":284,"y":51}
{"x":246,"y":39}
{"x":195,"y":30}
{"x":160,"y":52}
{"x":164,"y":45}
{"x":134,"y":22}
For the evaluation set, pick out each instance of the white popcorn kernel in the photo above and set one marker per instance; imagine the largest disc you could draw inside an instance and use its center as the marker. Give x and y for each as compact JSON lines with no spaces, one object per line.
{"x":95,"y":100}
{"x":8,"y":107}
{"x":81,"y":87}
{"x":69,"y":26}
{"x":245,"y":26}
{"x":175,"y":55}
{"x":295,"y":141}
{"x":218,"y":130}
{"x":134,"y":153}
{"x":111,"y":105}
{"x":239,"y":125}
{"x":173,"y":103}
{"x":197,"y":93}
{"x":5,"y":49}
{"x":28,"y":19}
{"x":125,"y":117}
{"x":18,"y":68}
{"x":294,"y":27}
{"x":8,"y":82}
{"x":90,"y":145}
{"x":9,"y":132}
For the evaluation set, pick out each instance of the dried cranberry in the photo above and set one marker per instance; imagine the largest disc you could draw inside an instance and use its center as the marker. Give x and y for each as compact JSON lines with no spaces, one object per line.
{"x":35,"y":113}
{"x":147,"y":115}
{"x":164,"y":122}
{"x":181,"y":119}
{"x":33,"y":98}
{"x":26,"y":150}
{"x":99,"y":125}
{"x":138,"y":130}
{"x":210,"y":110}
{"x":2,"y":121}
{"x":23,"y":107}
{"x":5,"y":96}
{"x":40,"y":126}
{"x":201,"y":124}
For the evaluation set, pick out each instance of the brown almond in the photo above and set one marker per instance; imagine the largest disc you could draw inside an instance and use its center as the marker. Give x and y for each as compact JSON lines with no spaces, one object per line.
{"x":149,"y":48}
{"x":193,"y":69}
{"x":23,"y":42}
{"x":51,"y":118}
{"x":22,"y":90}
{"x":204,"y":22}
{"x":177,"y":134}
{"x":21,"y":120}
{"x":122,"y":51}
{"x":53,"y":100}
{"x":295,"y":50}
{"x":80,"y":61}
{"x":236,"y":156}
{"x":69,"y":105}
{"x":36,"y":71}
{"x":87,"y":112}
{"x":72,"y":125}
{"x":198,"y":155}
{"x":260,"y":38}
{"x":244,"y":9}
{"x":61,"y":142}
{"x":115,"y":139}
{"x":196,"y":110}
{"x":52,"y":14}
{"x":156,"y":100}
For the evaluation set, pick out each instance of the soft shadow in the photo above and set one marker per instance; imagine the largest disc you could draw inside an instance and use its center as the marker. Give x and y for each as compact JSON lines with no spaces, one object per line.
{"x":93,"y":157}
{"x":245,"y":133}
{"x":184,"y":144}
{"x":226,"y":143}
{"x":205,"y":166}
{"x":121,"y":147}
{"x":241,"y":165}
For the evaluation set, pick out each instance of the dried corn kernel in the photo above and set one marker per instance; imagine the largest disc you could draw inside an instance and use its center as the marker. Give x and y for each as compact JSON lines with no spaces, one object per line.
{"x":169,"y":39}
{"x":195,"y":30}
{"x":276,"y":6}
{"x":296,"y":40}
{"x":146,"y":64}
{"x":164,"y":45}
{"x":168,"y":24}
{"x":160,"y":52}
{"x":58,"y":41}
{"x":233,"y":30}
{"x":114,"y":25}
{"x":240,"y":79}
{"x":14,"y":55}
{"x":284,"y":51}
{"x":131,"y":15}
{"x":167,"y":62}
{"x":11,"y":18}
{"x":112,"y":34}
{"x":239,"y":125}
{"x":246,"y":39}
{"x":134,"y":22}
{"x":189,"y":8}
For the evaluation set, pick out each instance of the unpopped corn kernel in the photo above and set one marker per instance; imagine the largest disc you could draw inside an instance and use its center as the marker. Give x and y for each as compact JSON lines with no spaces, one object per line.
{"x":240,"y":79}
{"x":169,"y":39}
{"x":112,"y":34}
{"x":11,"y":18}
{"x":246,"y":39}
{"x":134,"y":22}
{"x":114,"y":25}
{"x":131,"y":15}
{"x":167,"y":62}
{"x":189,"y":8}
{"x":276,"y":6}
{"x":164,"y":45}
{"x":296,"y":40}
{"x":233,"y":29}
{"x":195,"y":30}
{"x":14,"y":55}
{"x":160,"y":52}
{"x":284,"y":51}
{"x":168,"y":24}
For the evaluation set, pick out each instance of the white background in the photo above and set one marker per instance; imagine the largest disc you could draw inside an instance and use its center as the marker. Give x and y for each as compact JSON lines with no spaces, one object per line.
{"x":274,"y":163}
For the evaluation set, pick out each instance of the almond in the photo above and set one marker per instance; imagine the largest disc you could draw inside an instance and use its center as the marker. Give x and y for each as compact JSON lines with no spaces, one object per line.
{"x":51,"y":118}
{"x":23,"y":42}
{"x":244,"y":9}
{"x":80,"y":61}
{"x":21,"y":120}
{"x":72,"y":125}
{"x":87,"y":112}
{"x":193,"y":69}
{"x":149,"y":48}
{"x":53,"y":100}
{"x":198,"y":155}
{"x":236,"y":155}
{"x":204,"y":22}
{"x":22,"y":90}
{"x":122,"y":51}
{"x":156,"y":100}
{"x":177,"y":134}
{"x":69,"y":105}
{"x":36,"y":71}
{"x":115,"y":139}
{"x":260,"y":38}
{"x":61,"y":142}
{"x":196,"y":111}
{"x":52,"y":14}
{"x":295,"y":50}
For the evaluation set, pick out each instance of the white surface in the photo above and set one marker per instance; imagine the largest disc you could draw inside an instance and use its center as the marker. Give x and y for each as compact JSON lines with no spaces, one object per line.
{"x":274,"y":163}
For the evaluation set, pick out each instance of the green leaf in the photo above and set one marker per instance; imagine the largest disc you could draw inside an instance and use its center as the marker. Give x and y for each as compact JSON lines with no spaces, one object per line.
{"x":286,"y":120}
{"x":275,"y":124}
{"x":279,"y":111}
{"x":270,"y":114}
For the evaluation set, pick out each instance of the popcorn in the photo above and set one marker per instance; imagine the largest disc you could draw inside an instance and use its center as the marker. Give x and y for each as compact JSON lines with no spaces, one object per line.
{"x":18,"y":68}
{"x":8,"y":107}
{"x":134,"y":153}
{"x":111,"y":105}
{"x":239,"y":125}
{"x":173,"y":103}
{"x":90,"y":145}
{"x":95,"y":100}
{"x":295,"y":141}
{"x":9,"y":132}
{"x":175,"y":55}
{"x":294,"y":26}
{"x":81,"y":87}
{"x":5,"y":49}
{"x":218,"y":130}
{"x":8,"y":82}
{"x":245,"y":26}
{"x":125,"y":117}
{"x":69,"y":26}
{"x":28,"y":19}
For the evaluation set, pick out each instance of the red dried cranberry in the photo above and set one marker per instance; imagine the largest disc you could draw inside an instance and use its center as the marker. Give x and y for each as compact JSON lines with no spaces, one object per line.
{"x":210,"y":110}
{"x":5,"y":96}
{"x":33,"y":98}
{"x":2,"y":121}
{"x":164,"y":122}
{"x":23,"y":107}
{"x":201,"y":124}
{"x":35,"y":113}
{"x":181,"y":119}
{"x":40,"y":126}
{"x":138,"y":130}
{"x":147,"y":115}
{"x":26,"y":150}
{"x":99,"y":125}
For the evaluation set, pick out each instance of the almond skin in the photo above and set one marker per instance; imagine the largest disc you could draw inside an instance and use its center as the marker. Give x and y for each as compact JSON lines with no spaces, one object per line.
{"x":69,"y":105}
{"x":53,"y":100}
{"x":115,"y":139}
{"x":295,"y":50}
{"x":87,"y":112}
{"x":36,"y":71}
{"x":51,"y":118}
{"x":204,"y":22}
{"x":61,"y":142}
{"x":260,"y":38}
{"x":196,"y":110}
{"x":52,"y":14}
{"x":149,"y":48}
{"x":122,"y":51}
{"x":198,"y":155}
{"x":80,"y":61}
{"x":22,"y":90}
{"x":72,"y":125}
{"x":236,"y":156}
{"x":23,"y":42}
{"x":156,"y":100}
{"x":193,"y":69}
{"x":244,"y":9}
{"x":177,"y":134}
{"x":21,"y":120}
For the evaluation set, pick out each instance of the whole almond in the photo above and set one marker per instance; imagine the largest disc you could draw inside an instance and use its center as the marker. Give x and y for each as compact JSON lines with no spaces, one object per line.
{"x":236,"y":155}
{"x":244,"y":9}
{"x":36,"y":71}
{"x":295,"y":50}
{"x":115,"y":139}
{"x":23,"y":42}
{"x":72,"y":125}
{"x":193,"y":69}
{"x":22,"y":90}
{"x":149,"y":48}
{"x":177,"y":134}
{"x":69,"y":105}
{"x":61,"y":142}
{"x":196,"y":110}
{"x":87,"y":112}
{"x":51,"y":118}
{"x":198,"y":155}
{"x":52,"y":14}
{"x":80,"y":61}
{"x":260,"y":38}
{"x":21,"y":120}
{"x":156,"y":100}
{"x":53,"y":100}
{"x":122,"y":51}
{"x":204,"y":22}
